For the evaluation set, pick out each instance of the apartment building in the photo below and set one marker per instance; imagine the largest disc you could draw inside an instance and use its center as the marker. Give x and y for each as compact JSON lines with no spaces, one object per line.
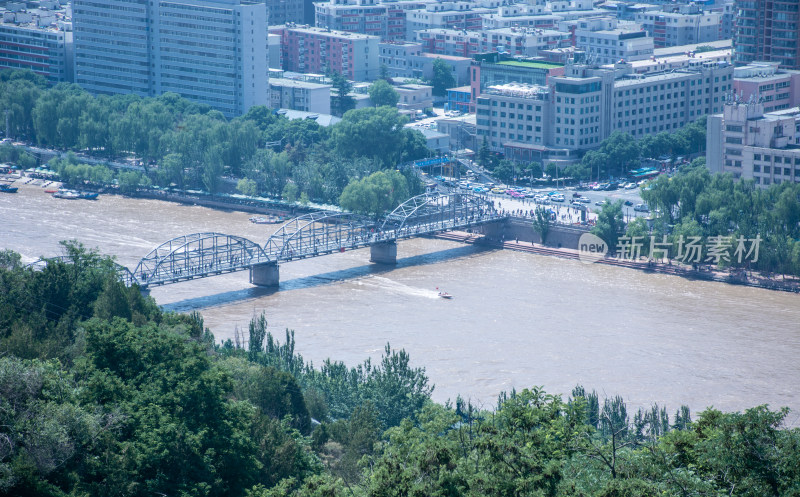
{"x":209,"y":51}
{"x":445,"y":15}
{"x":396,"y":57}
{"x":300,"y":95}
{"x":40,"y":41}
{"x":456,"y":42}
{"x":283,"y":11}
{"x":407,"y":60}
{"x":767,"y":30}
{"x":686,"y":26}
{"x":585,"y":104}
{"x":513,"y":41}
{"x":321,"y":50}
{"x":523,"y":41}
{"x":765,"y":82}
{"x":752,"y":144}
{"x":607,"y":41}
{"x":385,"y":20}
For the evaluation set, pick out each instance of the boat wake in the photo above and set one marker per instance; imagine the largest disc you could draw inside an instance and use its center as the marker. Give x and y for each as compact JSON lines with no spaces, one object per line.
{"x":398,"y":288}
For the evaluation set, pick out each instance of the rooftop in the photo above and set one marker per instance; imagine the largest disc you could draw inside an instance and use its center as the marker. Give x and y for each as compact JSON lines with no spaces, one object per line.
{"x":326,"y":32}
{"x":519,"y":90}
{"x":285,"y":82}
{"x":530,"y":64}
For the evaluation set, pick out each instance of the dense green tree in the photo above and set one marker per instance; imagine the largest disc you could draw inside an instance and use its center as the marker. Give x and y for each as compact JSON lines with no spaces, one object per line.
{"x":342,"y":101}
{"x":442,"y":78}
{"x":541,"y":223}
{"x":609,"y":224}
{"x":382,"y":93}
{"x":373,"y":133}
{"x":376,"y":194}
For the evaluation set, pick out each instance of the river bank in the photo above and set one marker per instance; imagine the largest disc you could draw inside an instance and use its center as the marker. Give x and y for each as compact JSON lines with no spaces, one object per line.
{"x":517,"y":235}
{"x":705,"y":273}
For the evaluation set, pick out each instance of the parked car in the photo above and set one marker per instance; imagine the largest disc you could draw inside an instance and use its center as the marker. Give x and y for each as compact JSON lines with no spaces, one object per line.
{"x":641,"y":208}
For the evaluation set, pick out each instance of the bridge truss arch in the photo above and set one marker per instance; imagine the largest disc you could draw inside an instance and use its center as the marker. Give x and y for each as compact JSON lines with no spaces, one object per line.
{"x":123,"y":274}
{"x":317,"y":233}
{"x":197,"y":255}
{"x":431,"y":212}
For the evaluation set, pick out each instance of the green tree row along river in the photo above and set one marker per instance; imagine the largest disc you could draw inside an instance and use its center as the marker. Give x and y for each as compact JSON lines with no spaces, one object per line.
{"x":517,"y":319}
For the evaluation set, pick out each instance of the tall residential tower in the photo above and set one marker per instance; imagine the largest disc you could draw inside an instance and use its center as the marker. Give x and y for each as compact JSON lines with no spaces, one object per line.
{"x":767,"y":30}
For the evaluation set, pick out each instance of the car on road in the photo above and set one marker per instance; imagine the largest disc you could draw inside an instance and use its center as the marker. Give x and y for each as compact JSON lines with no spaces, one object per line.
{"x":498,"y":190}
{"x":601,"y":202}
{"x":583,"y":200}
{"x":641,"y":208}
{"x":630,"y":186}
{"x":557,"y":198}
{"x":628,"y":203}
{"x":576,"y":205}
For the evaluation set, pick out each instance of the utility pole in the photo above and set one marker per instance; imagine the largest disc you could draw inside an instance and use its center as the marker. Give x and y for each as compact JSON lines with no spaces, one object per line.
{"x":8,"y":126}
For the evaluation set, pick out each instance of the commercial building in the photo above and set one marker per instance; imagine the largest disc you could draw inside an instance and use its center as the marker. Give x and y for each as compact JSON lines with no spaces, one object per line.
{"x":767,"y":30}
{"x":607,"y":41}
{"x":576,"y":111}
{"x":299,"y":95}
{"x":495,"y":69}
{"x":765,"y":82}
{"x":750,"y":144}
{"x":209,"y":51}
{"x":40,"y":41}
{"x":459,"y":99}
{"x":321,"y":50}
{"x":688,"y":25}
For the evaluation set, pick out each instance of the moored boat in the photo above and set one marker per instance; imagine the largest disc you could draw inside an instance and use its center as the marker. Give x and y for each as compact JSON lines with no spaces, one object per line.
{"x":5,"y":188}
{"x":67,"y":194}
{"x":266,"y":220}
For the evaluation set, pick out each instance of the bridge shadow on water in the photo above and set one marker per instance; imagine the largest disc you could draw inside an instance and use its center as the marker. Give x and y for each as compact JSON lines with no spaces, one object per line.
{"x":323,"y":279}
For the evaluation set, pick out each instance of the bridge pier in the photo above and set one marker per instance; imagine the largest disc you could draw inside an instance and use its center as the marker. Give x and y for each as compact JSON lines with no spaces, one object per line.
{"x":383,"y":253}
{"x":266,"y":274}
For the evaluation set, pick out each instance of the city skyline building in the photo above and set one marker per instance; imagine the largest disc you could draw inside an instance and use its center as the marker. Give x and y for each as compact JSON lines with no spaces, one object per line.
{"x":208,"y":51}
{"x":767,"y":30}
{"x":752,"y":144}
{"x":308,"y":49}
{"x":38,"y":40}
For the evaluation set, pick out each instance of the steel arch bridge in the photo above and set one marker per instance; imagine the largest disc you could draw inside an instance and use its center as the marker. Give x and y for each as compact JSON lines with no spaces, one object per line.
{"x":199,"y":255}
{"x":196,"y":256}
{"x":319,"y":233}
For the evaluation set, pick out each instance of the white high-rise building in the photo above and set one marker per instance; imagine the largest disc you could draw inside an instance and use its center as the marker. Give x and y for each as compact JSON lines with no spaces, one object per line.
{"x":208,"y":51}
